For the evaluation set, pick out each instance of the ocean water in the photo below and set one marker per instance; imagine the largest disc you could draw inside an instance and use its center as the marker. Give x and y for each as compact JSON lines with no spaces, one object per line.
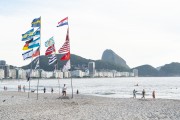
{"x":165,"y":87}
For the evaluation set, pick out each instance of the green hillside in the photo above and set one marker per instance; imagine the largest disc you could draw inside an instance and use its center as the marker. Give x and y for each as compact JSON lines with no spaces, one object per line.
{"x":77,"y":62}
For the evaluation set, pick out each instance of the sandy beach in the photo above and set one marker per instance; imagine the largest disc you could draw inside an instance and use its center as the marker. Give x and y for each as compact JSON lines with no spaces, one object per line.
{"x":17,"y":106}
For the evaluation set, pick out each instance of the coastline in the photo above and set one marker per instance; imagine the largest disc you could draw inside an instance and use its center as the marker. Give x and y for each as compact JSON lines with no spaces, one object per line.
{"x":17,"y":106}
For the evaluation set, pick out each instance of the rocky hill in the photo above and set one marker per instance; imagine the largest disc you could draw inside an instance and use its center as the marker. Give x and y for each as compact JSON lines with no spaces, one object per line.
{"x":111,"y":57}
{"x":147,"y":71}
{"x":172,"y":69}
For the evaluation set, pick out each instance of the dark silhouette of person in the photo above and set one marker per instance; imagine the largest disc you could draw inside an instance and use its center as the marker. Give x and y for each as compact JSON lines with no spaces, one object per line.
{"x":44,"y":90}
{"x":143,"y":94}
{"x":52,"y":90}
{"x":153,"y":94}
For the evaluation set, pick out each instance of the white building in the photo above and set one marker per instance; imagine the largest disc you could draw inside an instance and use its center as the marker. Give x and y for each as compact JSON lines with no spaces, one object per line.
{"x":58,"y":74}
{"x":21,"y":74}
{"x":77,"y":73}
{"x":67,"y":74}
{"x":12,"y":73}
{"x":1,"y":73}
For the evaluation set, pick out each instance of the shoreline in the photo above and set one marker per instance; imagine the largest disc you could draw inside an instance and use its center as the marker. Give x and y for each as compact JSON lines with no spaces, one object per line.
{"x":17,"y":106}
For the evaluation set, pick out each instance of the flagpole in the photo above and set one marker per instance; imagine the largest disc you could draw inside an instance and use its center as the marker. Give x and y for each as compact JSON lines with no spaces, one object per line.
{"x":56,"y":69}
{"x":30,"y":77}
{"x":39,"y":62}
{"x":70,"y":64}
{"x":58,"y":78}
{"x":71,"y":85}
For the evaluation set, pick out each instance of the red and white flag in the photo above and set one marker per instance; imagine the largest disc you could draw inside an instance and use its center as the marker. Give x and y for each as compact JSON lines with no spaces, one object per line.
{"x":36,"y":52}
{"x":66,"y":46}
{"x":63,"y":22}
{"x":67,"y":66}
{"x":50,"y":50}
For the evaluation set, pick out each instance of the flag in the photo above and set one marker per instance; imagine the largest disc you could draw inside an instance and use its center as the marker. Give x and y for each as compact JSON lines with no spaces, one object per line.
{"x":50,"y":50}
{"x":63,"y":22}
{"x":52,"y":59}
{"x":36,"y":52}
{"x":66,"y":56}
{"x":67,"y":66}
{"x":26,"y":46}
{"x":37,"y":32}
{"x":28,"y":35}
{"x":49,"y":42}
{"x":27,"y":54}
{"x":35,"y":43}
{"x":66,"y":46}
{"x":37,"y":63}
{"x":36,"y":22}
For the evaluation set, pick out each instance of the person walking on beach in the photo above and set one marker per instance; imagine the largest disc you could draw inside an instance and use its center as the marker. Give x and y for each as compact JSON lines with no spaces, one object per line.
{"x":44,"y":90}
{"x":134,"y":93}
{"x":77,"y":92}
{"x":52,"y":90}
{"x":143,"y":94}
{"x":153,"y":94}
{"x":64,"y":90}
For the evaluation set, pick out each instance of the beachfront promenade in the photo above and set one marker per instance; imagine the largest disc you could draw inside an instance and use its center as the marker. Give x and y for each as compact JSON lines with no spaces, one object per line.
{"x":17,"y":106}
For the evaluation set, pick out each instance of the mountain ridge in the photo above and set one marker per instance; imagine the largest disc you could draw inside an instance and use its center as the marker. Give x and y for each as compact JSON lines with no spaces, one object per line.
{"x":114,"y":62}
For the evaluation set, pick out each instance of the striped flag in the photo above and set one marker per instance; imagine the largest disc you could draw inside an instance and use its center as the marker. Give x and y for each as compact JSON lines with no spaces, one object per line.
{"x":63,"y":22}
{"x":27,"y":54}
{"x":34,"y":43}
{"x":66,"y":46}
{"x":37,"y":63}
{"x":50,"y":50}
{"x":37,"y":32}
{"x":52,"y":59}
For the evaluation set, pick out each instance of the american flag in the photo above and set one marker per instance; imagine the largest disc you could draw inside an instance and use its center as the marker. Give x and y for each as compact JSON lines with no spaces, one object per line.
{"x":66,"y":46}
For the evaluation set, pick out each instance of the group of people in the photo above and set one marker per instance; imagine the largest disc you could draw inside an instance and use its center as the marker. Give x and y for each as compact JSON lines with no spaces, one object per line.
{"x":44,"y":90}
{"x":143,"y":94}
{"x":5,"y":88}
{"x":19,"y":88}
{"x":63,"y":90}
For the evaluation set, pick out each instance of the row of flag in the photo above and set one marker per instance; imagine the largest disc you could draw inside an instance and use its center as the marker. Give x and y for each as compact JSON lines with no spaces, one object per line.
{"x":32,"y":44}
{"x":65,"y":49}
{"x":32,"y":41}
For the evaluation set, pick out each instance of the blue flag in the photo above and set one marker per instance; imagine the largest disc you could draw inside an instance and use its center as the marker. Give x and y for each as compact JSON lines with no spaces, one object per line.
{"x":37,"y":32}
{"x":36,"y":22}
{"x":27,"y":54}
{"x":28,"y":35}
{"x":35,"y":43}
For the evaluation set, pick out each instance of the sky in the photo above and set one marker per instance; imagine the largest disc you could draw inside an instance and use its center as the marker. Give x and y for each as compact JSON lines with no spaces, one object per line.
{"x":139,"y":31}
